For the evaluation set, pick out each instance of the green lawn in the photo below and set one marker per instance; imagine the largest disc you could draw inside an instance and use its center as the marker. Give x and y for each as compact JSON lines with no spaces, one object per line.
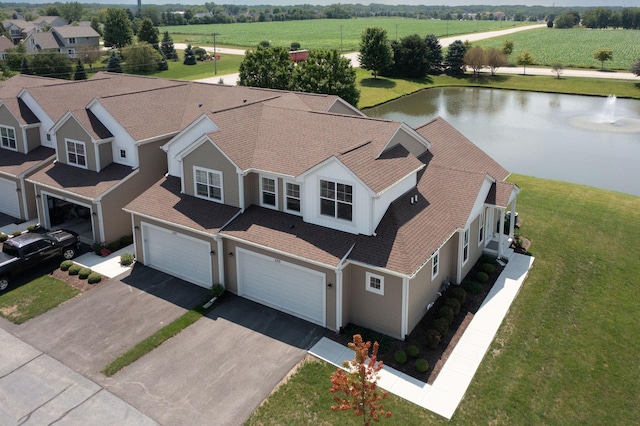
{"x":323,"y":33}
{"x":34,"y":298}
{"x":566,"y":353}
{"x":574,"y":48}
{"x":228,"y":64}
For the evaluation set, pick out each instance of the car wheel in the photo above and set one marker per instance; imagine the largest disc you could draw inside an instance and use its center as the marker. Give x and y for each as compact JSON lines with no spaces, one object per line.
{"x":4,"y":283}
{"x":69,"y":253}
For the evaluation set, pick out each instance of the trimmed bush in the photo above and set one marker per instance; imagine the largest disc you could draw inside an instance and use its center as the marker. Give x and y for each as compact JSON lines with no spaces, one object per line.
{"x":472,"y":287}
{"x":441,"y":325}
{"x":488,"y":259}
{"x":126,"y":259}
{"x":400,"y":357}
{"x":488,"y":268}
{"x":433,"y":339}
{"x":65,"y":265}
{"x":97,"y":248}
{"x":74,"y":269}
{"x":16,"y":233}
{"x":94,"y":278}
{"x":84,"y":273}
{"x":114,"y":246}
{"x":446,"y":312}
{"x":217,"y":290}
{"x":459,"y":293}
{"x":421,"y":365}
{"x":453,"y":304}
{"x":126,"y":240}
{"x":32,"y":228}
{"x":413,"y":351}
{"x":482,"y":277}
{"x":3,"y":237}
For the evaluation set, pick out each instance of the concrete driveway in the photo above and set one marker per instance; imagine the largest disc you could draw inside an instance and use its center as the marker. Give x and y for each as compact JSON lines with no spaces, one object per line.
{"x":221,"y":368}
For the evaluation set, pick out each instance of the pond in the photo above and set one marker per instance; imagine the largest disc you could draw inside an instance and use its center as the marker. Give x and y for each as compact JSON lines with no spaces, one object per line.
{"x":593,"y":141}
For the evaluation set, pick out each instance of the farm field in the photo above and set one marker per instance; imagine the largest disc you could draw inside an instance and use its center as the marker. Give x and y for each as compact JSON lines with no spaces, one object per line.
{"x":574,"y":48}
{"x":323,"y":33}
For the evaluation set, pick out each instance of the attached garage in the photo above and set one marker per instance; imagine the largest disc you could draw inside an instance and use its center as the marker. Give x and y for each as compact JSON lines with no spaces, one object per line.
{"x":281,"y":285}
{"x":177,"y":254}
{"x":9,"y":201}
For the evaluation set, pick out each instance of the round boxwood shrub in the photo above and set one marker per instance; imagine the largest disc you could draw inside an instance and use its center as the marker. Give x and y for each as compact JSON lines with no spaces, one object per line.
{"x":482,"y":277}
{"x":3,"y":237}
{"x":94,"y":278}
{"x":453,"y":304}
{"x":217,"y":290}
{"x":32,"y":228}
{"x":421,"y":365}
{"x":459,"y":293}
{"x":488,"y":268}
{"x":74,"y":269}
{"x":16,"y":233}
{"x":441,"y":325}
{"x":126,"y":259}
{"x":432,"y":339}
{"x":472,"y":287}
{"x":65,"y":265}
{"x":84,"y":273}
{"x":413,"y":351}
{"x":400,"y":357}
{"x":446,"y":312}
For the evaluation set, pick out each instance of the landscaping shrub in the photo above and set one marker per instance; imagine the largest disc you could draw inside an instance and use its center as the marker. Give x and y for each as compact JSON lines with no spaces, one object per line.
{"x":400,"y":357}
{"x":65,"y":265}
{"x":369,"y":335}
{"x":97,"y":248}
{"x":488,"y":259}
{"x":94,"y":278}
{"x":453,"y":304}
{"x":441,"y":325}
{"x":446,"y":312}
{"x":421,"y":365}
{"x":472,"y":287}
{"x":126,"y":259}
{"x":3,"y":237}
{"x":217,"y":290}
{"x":74,"y":269}
{"x":114,"y":246}
{"x":482,"y":277}
{"x":32,"y":228}
{"x":413,"y":351}
{"x":458,"y":293}
{"x":84,"y":273}
{"x":488,"y":268}
{"x":433,"y":339}
{"x":126,"y":240}
{"x":16,"y":233}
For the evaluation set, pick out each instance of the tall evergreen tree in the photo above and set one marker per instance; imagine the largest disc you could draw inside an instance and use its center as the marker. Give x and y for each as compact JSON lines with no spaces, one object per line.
{"x":24,"y":67}
{"x":434,"y":54}
{"x":148,"y":33}
{"x":454,"y":61}
{"x":80,"y":74}
{"x":166,"y":47}
{"x":114,"y":62}
{"x":189,"y":56}
{"x":410,"y":57}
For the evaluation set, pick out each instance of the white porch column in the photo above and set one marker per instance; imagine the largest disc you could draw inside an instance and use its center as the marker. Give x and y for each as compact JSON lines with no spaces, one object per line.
{"x":220,"y":260}
{"x":512,"y":222}
{"x":338,"y":300}
{"x":501,"y":234}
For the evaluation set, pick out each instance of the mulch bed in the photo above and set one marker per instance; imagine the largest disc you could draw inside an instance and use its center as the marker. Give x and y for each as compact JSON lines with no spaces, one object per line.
{"x":75,"y":281}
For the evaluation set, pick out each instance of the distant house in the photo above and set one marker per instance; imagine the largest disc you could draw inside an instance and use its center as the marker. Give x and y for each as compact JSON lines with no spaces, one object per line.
{"x":19,"y":29}
{"x":5,"y":44}
{"x":64,"y":39}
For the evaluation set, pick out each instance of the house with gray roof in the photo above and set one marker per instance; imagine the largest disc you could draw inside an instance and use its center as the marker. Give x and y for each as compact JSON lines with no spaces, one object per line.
{"x":67,"y":39}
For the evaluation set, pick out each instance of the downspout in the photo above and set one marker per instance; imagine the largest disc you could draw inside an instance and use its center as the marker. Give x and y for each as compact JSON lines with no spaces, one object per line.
{"x":405,"y":308}
{"x":219,"y":241}
{"x":459,"y":257}
{"x":23,"y":195}
{"x":338,"y":300}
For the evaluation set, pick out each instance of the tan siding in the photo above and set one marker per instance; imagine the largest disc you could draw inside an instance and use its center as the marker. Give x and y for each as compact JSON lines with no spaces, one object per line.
{"x":209,"y":157}
{"x":346,"y":295}
{"x":71,"y":129}
{"x":6,"y":119}
{"x":231,"y":275}
{"x":251,"y":190}
{"x":374,"y":311}
{"x":106,"y":156}
{"x":30,"y":194}
{"x":33,"y":138}
{"x":340,"y":108}
{"x":474,"y":251}
{"x":409,"y":142}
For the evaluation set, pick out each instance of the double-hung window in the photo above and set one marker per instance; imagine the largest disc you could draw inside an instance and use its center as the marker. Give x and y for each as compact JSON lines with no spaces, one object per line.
{"x":8,"y":137}
{"x":208,"y":184}
{"x":480,"y":228}
{"x":465,"y":246}
{"x":336,"y":200}
{"x":76,"y":153}
{"x":268,"y":192}
{"x":292,"y":197}
{"x":435,"y":264}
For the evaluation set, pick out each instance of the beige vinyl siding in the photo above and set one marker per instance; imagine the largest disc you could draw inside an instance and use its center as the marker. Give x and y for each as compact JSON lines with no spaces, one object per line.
{"x":71,"y":129}
{"x":106,"y":156}
{"x":371,"y":310}
{"x":7,"y":119}
{"x":231,"y":274}
{"x":346,"y":295}
{"x":33,"y":138}
{"x":340,"y":108}
{"x":30,"y":194}
{"x":209,"y":157}
{"x":474,"y":251}
{"x":251,"y":190}
{"x":409,"y":142}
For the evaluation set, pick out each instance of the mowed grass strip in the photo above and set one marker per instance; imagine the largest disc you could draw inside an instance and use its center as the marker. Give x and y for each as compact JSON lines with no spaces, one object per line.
{"x":323,"y":33}
{"x":566,"y":353}
{"x":228,"y":64}
{"x":34,"y":298}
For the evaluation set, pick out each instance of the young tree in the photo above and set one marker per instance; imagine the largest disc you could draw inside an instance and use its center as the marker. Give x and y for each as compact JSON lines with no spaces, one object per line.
{"x":148,"y":33}
{"x":141,"y":58}
{"x":524,"y":59}
{"x":495,"y":59}
{"x":475,"y":59}
{"x":410,"y":57}
{"x":603,"y":55}
{"x":166,"y":47}
{"x":507,"y":47}
{"x":95,"y":24}
{"x":557,"y":68}
{"x":114,"y":62}
{"x":269,"y":67}
{"x":80,"y":74}
{"x":358,"y":387}
{"x":454,"y":61}
{"x":375,"y":52}
{"x":88,"y":54}
{"x":434,"y":54}
{"x":189,"y":56}
{"x":117,"y":31}
{"x":326,"y":71}
{"x":635,"y":68}
{"x":57,"y":65}
{"x":15,"y":56}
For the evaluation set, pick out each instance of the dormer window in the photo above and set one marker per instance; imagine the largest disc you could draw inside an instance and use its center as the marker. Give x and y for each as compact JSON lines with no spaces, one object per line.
{"x":72,"y":40}
{"x":208,"y":184}
{"x":8,"y":138}
{"x":76,"y":153}
{"x":336,"y":200}
{"x":268,"y":193}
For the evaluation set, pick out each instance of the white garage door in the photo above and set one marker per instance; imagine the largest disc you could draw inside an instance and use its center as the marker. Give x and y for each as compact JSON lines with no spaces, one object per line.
{"x":9,"y":202}
{"x":281,"y":285}
{"x":177,"y":254}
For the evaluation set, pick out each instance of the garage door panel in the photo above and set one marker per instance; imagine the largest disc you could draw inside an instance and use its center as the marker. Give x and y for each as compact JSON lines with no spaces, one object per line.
{"x":282,"y":285}
{"x":9,"y":201}
{"x":178,"y":254}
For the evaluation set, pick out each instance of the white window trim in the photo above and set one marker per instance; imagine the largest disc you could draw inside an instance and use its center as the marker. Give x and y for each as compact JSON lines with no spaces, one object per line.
{"x":435,"y":264}
{"x":367,"y":283}
{"x":195,"y":184}
{"x":465,"y":244}
{"x":275,"y":187}
{"x":481,"y":232}
{"x":285,"y":196}
{"x":86,"y":157}
{"x":15,"y":139}
{"x":335,"y":200}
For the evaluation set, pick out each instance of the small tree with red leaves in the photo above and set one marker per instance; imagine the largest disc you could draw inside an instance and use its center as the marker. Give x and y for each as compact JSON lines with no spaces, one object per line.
{"x":358,"y":383}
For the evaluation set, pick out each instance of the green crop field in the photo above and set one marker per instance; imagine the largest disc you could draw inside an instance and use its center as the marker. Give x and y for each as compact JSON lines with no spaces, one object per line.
{"x":574,"y":48}
{"x":323,"y":33}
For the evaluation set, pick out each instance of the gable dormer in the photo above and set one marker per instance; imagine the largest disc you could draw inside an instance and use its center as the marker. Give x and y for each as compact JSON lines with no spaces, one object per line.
{"x":180,"y":142}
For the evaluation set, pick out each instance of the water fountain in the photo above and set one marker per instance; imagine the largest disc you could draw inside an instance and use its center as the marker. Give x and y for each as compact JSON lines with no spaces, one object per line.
{"x":608,"y":119}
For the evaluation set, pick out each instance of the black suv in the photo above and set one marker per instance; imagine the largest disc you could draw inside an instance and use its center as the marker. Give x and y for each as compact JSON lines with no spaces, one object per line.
{"x":28,"y":250}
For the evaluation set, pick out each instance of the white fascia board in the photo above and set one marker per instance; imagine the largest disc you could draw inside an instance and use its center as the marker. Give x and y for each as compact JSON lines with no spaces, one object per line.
{"x":377,"y":268}
{"x":411,"y":132}
{"x":186,"y":130}
{"x":348,"y":105}
{"x":333,"y":159}
{"x":479,"y":203}
{"x":165,"y":222}
{"x":412,"y":173}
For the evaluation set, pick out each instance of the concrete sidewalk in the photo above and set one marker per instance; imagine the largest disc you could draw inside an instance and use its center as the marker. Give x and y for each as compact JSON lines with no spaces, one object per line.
{"x":446,"y":392}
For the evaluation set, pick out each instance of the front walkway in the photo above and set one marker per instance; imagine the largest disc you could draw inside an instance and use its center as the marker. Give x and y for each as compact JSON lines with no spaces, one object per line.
{"x":446,"y":392}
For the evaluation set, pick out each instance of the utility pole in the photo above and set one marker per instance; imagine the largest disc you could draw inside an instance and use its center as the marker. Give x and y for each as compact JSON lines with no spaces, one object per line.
{"x":341,"y":39}
{"x":215,"y":54}
{"x":396,"y":32}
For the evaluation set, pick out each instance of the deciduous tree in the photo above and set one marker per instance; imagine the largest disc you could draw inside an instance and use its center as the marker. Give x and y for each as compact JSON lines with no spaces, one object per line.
{"x":507,"y":47}
{"x":410,"y":57}
{"x":375,"y":52}
{"x":269,"y":67}
{"x":475,"y":59}
{"x":57,"y":65}
{"x":495,"y":59}
{"x":15,"y":56}
{"x":88,"y":54}
{"x":524,"y":59}
{"x":141,"y":58}
{"x":358,"y":385}
{"x":71,"y":11}
{"x":557,"y":68}
{"x":117,"y":31}
{"x":603,"y":55}
{"x":635,"y":68}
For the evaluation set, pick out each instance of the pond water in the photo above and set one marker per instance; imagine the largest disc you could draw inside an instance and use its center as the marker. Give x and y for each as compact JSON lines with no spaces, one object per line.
{"x":593,"y":141}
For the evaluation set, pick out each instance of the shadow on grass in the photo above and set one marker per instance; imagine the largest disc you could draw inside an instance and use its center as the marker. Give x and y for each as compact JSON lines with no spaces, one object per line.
{"x":381,"y":83}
